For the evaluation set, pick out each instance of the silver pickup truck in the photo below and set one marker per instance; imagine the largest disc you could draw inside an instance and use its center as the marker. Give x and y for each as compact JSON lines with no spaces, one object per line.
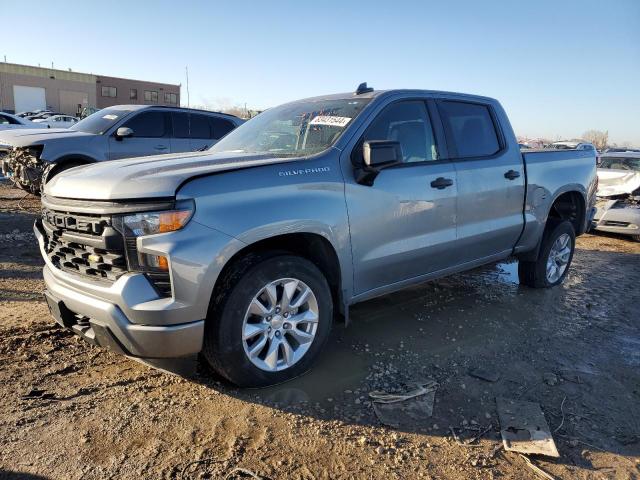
{"x":246,"y":252}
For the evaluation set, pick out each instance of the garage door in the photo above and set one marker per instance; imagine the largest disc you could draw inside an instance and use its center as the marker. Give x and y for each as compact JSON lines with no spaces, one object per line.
{"x":28,"y":99}
{"x":69,"y":101}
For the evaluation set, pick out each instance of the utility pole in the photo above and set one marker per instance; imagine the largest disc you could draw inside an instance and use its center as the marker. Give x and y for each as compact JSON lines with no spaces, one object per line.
{"x":186,"y":69}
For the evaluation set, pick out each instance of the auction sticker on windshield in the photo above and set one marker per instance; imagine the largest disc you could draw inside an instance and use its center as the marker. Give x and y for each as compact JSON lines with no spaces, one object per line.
{"x":330,"y":120}
{"x":110,"y":117}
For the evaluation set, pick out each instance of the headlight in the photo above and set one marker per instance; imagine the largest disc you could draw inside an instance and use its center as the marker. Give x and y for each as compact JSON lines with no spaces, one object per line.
{"x":150,"y":223}
{"x":155,"y":267}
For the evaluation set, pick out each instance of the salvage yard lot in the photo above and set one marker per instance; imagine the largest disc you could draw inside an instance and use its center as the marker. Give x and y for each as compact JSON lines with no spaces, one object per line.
{"x":70,"y":410}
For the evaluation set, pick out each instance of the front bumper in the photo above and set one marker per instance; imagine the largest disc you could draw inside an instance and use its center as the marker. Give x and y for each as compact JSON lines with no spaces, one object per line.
{"x":128,"y":315}
{"x":623,"y":220}
{"x":103,"y":323}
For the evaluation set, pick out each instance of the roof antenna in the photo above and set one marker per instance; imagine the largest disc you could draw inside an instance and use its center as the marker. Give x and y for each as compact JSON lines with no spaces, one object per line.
{"x":362,"y":88}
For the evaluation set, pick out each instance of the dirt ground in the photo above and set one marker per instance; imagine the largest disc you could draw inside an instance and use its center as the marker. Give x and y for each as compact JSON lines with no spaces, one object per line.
{"x":69,"y":410}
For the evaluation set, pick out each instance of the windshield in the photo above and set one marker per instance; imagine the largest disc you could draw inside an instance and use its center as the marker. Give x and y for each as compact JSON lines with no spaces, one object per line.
{"x":620,"y":163}
{"x":294,"y":129}
{"x":101,"y":121}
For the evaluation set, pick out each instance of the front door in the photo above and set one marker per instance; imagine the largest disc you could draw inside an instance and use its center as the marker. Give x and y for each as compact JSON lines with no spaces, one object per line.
{"x":151,"y":132}
{"x":491,"y":181}
{"x":403,"y":225}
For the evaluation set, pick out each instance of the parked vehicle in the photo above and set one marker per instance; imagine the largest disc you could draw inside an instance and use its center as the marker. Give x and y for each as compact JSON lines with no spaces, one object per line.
{"x":10,"y":122}
{"x":245,"y":252}
{"x":29,"y":114}
{"x":42,"y":115}
{"x":57,"y":121}
{"x":577,"y":146}
{"x":620,"y":149}
{"x":619,"y":194}
{"x":121,"y":131}
{"x":573,"y":146}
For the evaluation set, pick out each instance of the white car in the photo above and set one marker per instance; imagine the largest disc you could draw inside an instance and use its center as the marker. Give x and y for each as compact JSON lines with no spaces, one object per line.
{"x":56,"y":121}
{"x":8,"y":122}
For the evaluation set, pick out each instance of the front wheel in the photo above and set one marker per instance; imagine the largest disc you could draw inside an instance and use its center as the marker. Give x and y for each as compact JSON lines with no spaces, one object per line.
{"x":554,"y":259}
{"x":271,"y":323}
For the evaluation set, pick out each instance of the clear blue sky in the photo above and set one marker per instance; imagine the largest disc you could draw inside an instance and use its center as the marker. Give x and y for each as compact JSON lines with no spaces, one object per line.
{"x":559,"y":67}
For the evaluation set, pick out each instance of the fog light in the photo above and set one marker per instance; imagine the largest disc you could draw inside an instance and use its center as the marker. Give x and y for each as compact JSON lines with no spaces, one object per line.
{"x":156,"y":262}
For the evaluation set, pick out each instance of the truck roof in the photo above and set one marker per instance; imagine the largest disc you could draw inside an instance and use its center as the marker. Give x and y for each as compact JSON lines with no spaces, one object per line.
{"x":141,"y":107}
{"x":378,"y":93}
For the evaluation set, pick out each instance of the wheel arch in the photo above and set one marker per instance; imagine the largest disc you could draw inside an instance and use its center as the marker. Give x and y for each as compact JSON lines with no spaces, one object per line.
{"x":568,"y":204}
{"x":74,"y":157}
{"x":312,"y":246}
{"x":59,"y":164}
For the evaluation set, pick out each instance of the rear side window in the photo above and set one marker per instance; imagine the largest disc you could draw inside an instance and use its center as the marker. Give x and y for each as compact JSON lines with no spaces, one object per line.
{"x":200,"y":126}
{"x":148,"y":125}
{"x":180,"y":124}
{"x":220,"y":127}
{"x":470,"y":128}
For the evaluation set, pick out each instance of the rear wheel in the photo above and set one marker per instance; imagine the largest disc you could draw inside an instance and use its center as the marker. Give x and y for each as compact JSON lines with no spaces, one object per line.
{"x":554,"y":259}
{"x":271,"y":323}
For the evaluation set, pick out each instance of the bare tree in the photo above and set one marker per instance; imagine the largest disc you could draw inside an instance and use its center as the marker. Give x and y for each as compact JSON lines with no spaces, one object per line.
{"x":598,"y":138}
{"x":237,"y":111}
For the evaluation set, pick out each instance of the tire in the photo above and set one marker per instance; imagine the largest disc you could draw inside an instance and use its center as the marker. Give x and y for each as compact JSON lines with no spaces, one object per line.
{"x":534,"y":274}
{"x":225,"y":349}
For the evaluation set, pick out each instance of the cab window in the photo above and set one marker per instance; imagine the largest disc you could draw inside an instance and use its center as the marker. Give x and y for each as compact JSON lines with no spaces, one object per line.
{"x":469,"y":128}
{"x":406,"y":122}
{"x":148,"y":125}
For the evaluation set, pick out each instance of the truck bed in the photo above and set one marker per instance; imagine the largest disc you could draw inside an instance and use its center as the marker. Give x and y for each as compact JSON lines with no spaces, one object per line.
{"x":547,"y":172}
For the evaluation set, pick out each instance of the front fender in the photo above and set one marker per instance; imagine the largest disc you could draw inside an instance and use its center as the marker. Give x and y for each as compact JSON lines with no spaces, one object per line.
{"x":93,"y":149}
{"x":259,"y":203}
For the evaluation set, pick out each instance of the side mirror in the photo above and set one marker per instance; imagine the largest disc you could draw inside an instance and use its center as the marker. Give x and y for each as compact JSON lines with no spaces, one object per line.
{"x":123,"y":132}
{"x":377,"y":155}
{"x":381,"y":153}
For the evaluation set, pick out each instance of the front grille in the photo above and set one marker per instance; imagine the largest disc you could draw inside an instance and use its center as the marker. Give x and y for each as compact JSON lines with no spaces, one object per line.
{"x":84,"y":244}
{"x":612,"y":223}
{"x":85,"y":259}
{"x":93,"y":246}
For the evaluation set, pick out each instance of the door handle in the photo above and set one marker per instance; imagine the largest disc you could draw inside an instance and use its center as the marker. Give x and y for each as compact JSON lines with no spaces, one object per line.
{"x":160,"y":147}
{"x":511,"y":174}
{"x":441,"y":183}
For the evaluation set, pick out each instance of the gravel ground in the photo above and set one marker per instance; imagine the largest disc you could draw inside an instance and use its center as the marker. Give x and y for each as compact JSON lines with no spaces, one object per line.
{"x":73,"y":411}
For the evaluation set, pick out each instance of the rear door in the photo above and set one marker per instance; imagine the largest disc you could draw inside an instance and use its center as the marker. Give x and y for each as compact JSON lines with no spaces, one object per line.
{"x":200,"y":132}
{"x":180,"y":141}
{"x":151,"y":136}
{"x":403,"y":225}
{"x":220,"y":127}
{"x":491,"y":180}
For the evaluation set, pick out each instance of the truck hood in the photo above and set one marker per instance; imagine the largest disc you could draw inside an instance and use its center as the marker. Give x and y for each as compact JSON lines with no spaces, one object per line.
{"x":617,"y":182}
{"x":32,"y":136}
{"x":147,"y":177}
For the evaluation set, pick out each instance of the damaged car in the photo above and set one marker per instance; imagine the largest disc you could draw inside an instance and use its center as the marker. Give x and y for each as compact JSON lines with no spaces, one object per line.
{"x":30,"y":157}
{"x":618,"y":205}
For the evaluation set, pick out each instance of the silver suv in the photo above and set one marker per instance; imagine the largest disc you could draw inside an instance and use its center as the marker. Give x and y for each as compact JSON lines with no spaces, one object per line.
{"x":121,"y":131}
